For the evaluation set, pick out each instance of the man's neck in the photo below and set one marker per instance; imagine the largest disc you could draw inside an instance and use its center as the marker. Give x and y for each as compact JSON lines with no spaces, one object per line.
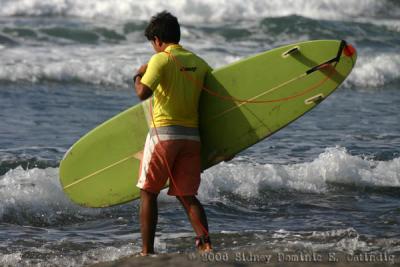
{"x":165,"y":45}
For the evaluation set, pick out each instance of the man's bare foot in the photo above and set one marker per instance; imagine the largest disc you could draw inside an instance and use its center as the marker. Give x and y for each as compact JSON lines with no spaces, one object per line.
{"x":205,"y":248}
{"x":203,"y":244}
{"x":145,"y":254}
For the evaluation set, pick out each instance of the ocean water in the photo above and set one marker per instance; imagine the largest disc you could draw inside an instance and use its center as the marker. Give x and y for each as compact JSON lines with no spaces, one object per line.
{"x":330,"y":182}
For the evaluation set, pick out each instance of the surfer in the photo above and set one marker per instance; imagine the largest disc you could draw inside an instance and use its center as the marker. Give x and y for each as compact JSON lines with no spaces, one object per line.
{"x":172,"y":148}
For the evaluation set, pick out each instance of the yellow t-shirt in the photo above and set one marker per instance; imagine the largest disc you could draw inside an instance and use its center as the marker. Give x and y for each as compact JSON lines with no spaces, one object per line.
{"x":176,"y":79}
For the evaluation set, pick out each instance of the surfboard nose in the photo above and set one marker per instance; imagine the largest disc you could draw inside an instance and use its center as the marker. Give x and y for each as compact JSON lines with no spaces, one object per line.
{"x":349,"y":50}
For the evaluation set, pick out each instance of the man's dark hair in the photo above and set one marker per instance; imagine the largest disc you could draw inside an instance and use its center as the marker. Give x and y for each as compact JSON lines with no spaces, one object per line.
{"x":165,"y":26}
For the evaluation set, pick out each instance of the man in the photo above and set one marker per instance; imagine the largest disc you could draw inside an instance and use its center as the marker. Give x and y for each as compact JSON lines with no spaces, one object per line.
{"x":174,"y":77}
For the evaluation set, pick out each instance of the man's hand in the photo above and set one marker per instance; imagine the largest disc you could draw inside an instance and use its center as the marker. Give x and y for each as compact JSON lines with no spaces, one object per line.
{"x":229,"y":158}
{"x":142,"y":90}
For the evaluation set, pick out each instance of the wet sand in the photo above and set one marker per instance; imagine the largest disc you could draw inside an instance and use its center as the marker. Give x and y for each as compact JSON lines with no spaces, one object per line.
{"x":262,"y":258}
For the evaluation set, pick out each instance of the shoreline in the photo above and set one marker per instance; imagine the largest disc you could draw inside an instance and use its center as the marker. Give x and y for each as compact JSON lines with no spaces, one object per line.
{"x":257,"y":258}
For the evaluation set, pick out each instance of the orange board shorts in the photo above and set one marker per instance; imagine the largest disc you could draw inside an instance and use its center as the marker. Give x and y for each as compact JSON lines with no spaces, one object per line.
{"x":171,"y":152}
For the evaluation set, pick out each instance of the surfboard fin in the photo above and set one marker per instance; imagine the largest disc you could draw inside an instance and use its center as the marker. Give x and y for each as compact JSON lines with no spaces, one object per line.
{"x":291,"y":51}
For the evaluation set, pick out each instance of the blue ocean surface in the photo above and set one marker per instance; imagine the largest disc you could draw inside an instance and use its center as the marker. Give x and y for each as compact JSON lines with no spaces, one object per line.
{"x":329,"y":182}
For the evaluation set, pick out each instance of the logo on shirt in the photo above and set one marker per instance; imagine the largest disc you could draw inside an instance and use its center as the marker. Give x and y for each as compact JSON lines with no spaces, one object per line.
{"x":192,"y":69}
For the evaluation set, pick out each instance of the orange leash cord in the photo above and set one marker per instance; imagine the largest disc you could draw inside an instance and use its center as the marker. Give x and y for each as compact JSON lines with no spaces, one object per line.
{"x":234,"y":99}
{"x":251,"y":101}
{"x":194,"y":216}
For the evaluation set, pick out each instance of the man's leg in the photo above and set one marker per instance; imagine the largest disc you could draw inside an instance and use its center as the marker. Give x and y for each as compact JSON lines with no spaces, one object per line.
{"x":197,"y":217}
{"x":196,"y":214}
{"x":148,"y":220}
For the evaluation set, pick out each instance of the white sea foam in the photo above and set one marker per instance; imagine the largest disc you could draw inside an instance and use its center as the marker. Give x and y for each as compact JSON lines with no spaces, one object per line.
{"x":375,"y":70}
{"x":101,"y":254}
{"x":103,"y":65}
{"x":198,"y":10}
{"x":105,"y":254}
{"x":345,"y":240}
{"x":335,"y":165}
{"x":115,"y":65}
{"x":12,"y":259}
{"x":36,"y":193}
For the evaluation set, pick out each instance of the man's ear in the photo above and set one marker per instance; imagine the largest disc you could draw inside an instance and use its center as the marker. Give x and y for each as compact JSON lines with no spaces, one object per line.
{"x":157,"y":41}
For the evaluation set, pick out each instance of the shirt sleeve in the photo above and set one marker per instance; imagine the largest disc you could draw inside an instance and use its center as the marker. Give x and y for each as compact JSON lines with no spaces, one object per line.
{"x":154,"y":70}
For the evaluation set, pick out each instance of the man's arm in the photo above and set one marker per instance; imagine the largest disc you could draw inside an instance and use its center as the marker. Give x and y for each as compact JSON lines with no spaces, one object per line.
{"x":142,"y":91}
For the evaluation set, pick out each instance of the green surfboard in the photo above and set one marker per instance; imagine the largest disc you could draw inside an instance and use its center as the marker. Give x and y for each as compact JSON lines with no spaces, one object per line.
{"x":243,"y":103}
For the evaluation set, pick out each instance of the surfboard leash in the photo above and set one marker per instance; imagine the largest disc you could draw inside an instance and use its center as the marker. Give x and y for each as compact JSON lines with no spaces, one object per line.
{"x":187,"y":206}
{"x":326,"y":64}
